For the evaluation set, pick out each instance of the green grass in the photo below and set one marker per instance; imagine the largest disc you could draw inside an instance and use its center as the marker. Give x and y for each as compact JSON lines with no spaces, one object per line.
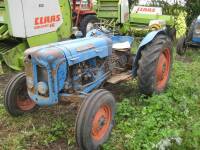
{"x":171,"y":119}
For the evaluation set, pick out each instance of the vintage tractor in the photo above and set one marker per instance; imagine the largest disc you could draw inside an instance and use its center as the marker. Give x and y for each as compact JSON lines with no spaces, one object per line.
{"x":192,"y":38}
{"x":25,"y":24}
{"x":83,"y":15}
{"x":79,"y":69}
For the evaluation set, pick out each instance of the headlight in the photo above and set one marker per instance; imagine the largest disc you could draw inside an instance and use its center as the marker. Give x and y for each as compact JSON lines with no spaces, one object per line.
{"x":43,"y":88}
{"x":197,"y":28}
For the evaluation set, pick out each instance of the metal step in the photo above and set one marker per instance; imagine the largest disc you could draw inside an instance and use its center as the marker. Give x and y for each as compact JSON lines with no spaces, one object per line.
{"x":119,"y":77}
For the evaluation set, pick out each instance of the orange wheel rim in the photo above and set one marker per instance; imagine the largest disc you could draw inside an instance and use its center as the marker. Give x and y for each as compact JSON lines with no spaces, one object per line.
{"x":25,"y":104}
{"x":23,"y":101}
{"x":101,"y":122}
{"x":163,"y":69}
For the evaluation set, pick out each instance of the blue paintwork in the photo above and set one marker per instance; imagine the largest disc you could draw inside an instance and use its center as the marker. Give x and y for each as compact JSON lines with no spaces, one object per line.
{"x":121,"y":39}
{"x":114,"y":38}
{"x":147,"y":39}
{"x":196,"y":36}
{"x":196,"y":40}
{"x":100,"y":47}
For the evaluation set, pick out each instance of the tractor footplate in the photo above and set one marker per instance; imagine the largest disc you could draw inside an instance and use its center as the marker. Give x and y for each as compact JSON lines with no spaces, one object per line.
{"x":119,"y":77}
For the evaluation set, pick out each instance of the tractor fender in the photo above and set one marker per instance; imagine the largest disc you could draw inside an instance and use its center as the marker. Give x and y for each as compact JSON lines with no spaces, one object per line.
{"x":147,"y":39}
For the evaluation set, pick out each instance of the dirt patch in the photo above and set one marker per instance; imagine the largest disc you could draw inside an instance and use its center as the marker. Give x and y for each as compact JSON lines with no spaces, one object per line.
{"x":57,"y":145}
{"x":124,"y":89}
{"x":4,"y":80}
{"x":67,"y":112}
{"x":185,"y":59}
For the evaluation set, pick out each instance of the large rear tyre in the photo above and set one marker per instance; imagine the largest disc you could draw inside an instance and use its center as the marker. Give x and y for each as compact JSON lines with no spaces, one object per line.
{"x":172,"y":34}
{"x":155,"y":65}
{"x":181,"y":46}
{"x":16,"y":99}
{"x":88,"y":23}
{"x":95,"y":120}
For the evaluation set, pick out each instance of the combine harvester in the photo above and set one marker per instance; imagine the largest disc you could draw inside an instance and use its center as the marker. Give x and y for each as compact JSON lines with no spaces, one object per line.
{"x":125,"y":18}
{"x":37,"y":23}
{"x":25,"y":24}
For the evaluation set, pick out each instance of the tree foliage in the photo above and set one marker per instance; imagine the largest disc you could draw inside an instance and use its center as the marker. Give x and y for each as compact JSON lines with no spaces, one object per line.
{"x":192,"y":8}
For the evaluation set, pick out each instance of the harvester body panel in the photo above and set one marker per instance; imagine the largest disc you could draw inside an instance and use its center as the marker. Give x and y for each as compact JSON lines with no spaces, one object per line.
{"x":31,"y":23}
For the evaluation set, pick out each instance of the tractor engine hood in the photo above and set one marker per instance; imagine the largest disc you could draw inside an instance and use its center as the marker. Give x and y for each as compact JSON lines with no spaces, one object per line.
{"x":75,"y":51}
{"x":47,"y":66}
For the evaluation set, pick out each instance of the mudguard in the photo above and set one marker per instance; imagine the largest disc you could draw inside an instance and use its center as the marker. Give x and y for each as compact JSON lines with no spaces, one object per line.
{"x":147,"y":39}
{"x":195,"y":38}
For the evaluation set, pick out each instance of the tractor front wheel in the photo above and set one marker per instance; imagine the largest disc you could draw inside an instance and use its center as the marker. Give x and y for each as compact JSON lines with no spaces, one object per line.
{"x":16,"y":99}
{"x":155,"y":65}
{"x":95,"y":120}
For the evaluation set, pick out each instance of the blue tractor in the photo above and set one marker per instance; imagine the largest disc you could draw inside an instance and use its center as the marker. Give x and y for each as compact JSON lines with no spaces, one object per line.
{"x":79,"y":69}
{"x":192,"y":38}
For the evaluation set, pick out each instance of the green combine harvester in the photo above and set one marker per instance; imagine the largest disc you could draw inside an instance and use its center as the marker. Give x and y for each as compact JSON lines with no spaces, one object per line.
{"x":123,"y":17}
{"x":25,"y":24}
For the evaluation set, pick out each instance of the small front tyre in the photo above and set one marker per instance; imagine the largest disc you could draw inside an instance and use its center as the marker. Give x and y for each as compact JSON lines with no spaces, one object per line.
{"x":181,"y":46}
{"x":16,"y":99}
{"x":155,"y":65}
{"x":95,"y":120}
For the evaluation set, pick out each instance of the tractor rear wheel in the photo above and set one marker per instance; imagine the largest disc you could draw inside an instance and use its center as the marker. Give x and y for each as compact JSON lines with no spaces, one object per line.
{"x":95,"y":120}
{"x":87,"y":23}
{"x":155,"y":65}
{"x":181,"y":46}
{"x":16,"y":99}
{"x":172,"y":34}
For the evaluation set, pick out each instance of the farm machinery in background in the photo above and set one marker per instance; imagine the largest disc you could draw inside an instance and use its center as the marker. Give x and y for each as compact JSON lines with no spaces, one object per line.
{"x":192,"y":37}
{"x":79,"y":68}
{"x":83,"y":15}
{"x":126,"y":18}
{"x":37,"y":23}
{"x":25,"y":24}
